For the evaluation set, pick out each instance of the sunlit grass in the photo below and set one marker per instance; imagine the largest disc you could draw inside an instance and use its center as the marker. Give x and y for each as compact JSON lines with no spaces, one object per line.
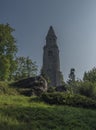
{"x":28,"y":113}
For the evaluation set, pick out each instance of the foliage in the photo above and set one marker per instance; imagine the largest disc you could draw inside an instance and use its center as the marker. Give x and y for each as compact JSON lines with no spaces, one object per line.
{"x":87,"y":89}
{"x":71,"y":75}
{"x":6,"y":89}
{"x":62,"y":88}
{"x":45,"y":76}
{"x":8,"y":51}
{"x":25,"y":68}
{"x":68,"y":99}
{"x":73,"y":87}
{"x":71,"y":83}
{"x":51,"y":89}
{"x":4,"y":67}
{"x":90,"y":75}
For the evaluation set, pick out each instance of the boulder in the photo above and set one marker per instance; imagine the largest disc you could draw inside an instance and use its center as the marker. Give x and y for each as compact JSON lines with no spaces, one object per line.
{"x":32,"y":86}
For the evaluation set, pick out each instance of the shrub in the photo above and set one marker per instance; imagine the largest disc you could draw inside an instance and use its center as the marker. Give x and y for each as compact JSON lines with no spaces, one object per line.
{"x":5,"y":88}
{"x":51,"y":89}
{"x":68,"y":99}
{"x":85,"y":88}
{"x":88,"y":89}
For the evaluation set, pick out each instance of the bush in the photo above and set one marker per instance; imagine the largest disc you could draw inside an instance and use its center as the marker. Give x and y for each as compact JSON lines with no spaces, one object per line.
{"x":51,"y":89}
{"x":88,"y":89}
{"x":5,"y":88}
{"x":68,"y":99}
{"x":85,"y":88}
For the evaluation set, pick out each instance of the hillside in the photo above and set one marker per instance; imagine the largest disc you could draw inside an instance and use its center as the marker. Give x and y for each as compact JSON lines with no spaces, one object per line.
{"x":19,"y":112}
{"x":28,"y":113}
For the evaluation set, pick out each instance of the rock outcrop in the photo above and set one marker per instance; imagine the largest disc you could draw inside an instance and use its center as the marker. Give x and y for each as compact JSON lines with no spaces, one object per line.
{"x":32,"y":86}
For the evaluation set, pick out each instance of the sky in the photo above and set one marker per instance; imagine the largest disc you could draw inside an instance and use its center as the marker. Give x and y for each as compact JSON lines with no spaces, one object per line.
{"x":74,"y":22}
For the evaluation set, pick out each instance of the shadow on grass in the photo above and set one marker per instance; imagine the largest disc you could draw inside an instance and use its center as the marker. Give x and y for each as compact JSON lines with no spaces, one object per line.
{"x":27,"y":119}
{"x":48,"y":118}
{"x":35,"y":99}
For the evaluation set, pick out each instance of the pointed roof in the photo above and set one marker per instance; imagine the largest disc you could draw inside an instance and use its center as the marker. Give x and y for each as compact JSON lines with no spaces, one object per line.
{"x":51,"y":32}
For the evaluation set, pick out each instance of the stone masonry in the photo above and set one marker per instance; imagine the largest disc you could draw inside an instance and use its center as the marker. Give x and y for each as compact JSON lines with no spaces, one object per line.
{"x":51,"y":61}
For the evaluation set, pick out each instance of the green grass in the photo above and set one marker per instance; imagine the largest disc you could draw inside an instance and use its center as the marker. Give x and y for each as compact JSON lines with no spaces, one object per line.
{"x":28,"y":113}
{"x":6,"y":88}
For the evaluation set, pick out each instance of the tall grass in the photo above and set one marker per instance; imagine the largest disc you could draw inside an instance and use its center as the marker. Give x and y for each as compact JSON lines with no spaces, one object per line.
{"x":28,"y":113}
{"x":5,"y":88}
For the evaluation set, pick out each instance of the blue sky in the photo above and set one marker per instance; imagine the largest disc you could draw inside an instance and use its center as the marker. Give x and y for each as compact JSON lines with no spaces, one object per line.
{"x":74,"y":22}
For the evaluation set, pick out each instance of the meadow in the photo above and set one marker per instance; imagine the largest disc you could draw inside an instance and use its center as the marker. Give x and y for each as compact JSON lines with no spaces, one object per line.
{"x":29,"y":113}
{"x":18,"y":112}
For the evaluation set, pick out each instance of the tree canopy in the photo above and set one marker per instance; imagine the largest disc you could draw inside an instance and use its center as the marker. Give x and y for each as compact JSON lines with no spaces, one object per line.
{"x":90,"y":75}
{"x":8,"y":51}
{"x":25,"y":68}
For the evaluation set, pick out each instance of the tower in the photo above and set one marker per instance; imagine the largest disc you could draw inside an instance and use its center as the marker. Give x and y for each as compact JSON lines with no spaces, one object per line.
{"x":51,"y":61}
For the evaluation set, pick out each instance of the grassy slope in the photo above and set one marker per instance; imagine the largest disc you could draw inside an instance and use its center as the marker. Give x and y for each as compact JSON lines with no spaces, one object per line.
{"x":25,"y":113}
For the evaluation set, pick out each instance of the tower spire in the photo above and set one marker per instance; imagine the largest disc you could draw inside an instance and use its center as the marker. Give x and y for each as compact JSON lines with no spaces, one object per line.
{"x":51,"y":37}
{"x":51,"y":32}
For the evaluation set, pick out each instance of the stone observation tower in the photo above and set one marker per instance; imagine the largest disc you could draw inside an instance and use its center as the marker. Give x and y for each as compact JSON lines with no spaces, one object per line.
{"x":51,"y":61}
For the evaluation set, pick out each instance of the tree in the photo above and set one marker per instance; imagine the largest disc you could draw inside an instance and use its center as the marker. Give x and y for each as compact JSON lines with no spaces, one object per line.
{"x":25,"y":68}
{"x":31,"y":67}
{"x":5,"y":66}
{"x":90,"y":75}
{"x":88,"y":89}
{"x":8,"y":51}
{"x":45,"y":76}
{"x":71,"y":81}
{"x":71,"y":75}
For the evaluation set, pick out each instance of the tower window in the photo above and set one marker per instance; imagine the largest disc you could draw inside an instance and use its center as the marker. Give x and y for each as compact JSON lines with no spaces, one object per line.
{"x":50,"y":39}
{"x":50,"y":53}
